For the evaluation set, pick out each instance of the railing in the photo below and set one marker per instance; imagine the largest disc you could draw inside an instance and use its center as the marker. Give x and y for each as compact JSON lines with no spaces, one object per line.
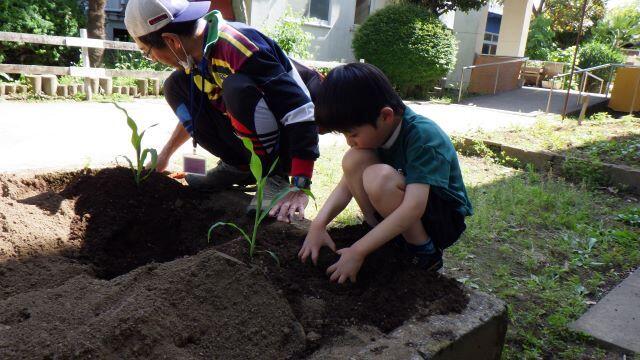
{"x":498,"y":64}
{"x":586,"y":74}
{"x":86,"y":70}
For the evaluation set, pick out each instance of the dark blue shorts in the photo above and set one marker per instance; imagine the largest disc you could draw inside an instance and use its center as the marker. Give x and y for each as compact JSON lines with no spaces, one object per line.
{"x":442,"y":221}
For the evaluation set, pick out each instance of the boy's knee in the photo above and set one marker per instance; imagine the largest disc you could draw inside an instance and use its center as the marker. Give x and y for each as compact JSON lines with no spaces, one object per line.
{"x":354,"y":159}
{"x":379,"y":179}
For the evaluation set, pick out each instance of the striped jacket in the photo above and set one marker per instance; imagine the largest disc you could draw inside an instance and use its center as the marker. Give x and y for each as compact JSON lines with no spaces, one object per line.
{"x":243,"y":49}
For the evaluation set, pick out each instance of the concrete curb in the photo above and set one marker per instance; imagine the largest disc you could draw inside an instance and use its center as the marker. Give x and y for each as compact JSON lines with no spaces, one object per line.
{"x":622,"y":176}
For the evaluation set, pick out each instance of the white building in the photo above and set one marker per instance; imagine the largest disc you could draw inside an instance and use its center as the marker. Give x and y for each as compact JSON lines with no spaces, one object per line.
{"x":499,"y":30}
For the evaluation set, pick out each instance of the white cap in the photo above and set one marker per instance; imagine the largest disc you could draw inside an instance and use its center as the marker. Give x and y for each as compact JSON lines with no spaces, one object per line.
{"x":146,"y":16}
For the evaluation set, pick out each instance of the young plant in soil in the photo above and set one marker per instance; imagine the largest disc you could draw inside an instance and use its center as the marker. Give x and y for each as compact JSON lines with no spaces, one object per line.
{"x":141,"y":155}
{"x":256,"y":170}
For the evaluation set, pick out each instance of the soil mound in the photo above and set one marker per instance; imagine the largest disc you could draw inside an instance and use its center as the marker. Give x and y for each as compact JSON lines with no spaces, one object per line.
{"x":122,"y":226}
{"x":203,"y":306}
{"x":80,"y":279}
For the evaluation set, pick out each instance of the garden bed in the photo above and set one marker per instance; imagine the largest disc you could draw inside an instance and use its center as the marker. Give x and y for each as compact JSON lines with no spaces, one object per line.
{"x":93,"y":266}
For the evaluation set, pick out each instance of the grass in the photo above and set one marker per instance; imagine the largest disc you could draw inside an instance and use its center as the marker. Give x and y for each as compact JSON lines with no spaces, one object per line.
{"x":548,"y":248}
{"x":601,"y":138}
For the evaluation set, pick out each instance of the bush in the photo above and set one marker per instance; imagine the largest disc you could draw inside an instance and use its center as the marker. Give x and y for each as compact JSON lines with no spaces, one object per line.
{"x":540,"y":44}
{"x":288,"y":33}
{"x":619,"y":27}
{"x":595,"y":53}
{"x":50,"y":17}
{"x":409,"y":44}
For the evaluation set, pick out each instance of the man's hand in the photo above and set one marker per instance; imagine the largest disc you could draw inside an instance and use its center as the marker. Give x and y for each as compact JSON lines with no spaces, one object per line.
{"x":347,"y":267}
{"x":163,"y":162}
{"x":294,"y":202}
{"x":316,"y":239}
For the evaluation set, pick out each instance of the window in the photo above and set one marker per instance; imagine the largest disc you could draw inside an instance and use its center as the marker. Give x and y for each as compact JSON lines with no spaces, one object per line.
{"x":363,"y":8}
{"x":490,"y":43}
{"x":318,"y":9}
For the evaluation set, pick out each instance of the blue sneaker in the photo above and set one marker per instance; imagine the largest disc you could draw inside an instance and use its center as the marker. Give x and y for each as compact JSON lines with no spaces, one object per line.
{"x":430,"y":262}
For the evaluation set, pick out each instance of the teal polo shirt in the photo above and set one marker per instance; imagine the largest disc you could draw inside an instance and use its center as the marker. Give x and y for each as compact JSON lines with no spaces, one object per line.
{"x":423,"y":152}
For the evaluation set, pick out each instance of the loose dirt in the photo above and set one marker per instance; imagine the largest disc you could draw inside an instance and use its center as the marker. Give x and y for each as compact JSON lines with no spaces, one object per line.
{"x":93,"y":266}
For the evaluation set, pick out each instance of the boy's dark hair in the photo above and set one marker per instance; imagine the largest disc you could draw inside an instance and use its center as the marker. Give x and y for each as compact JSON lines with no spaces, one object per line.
{"x":154,"y":39}
{"x":353,"y":95}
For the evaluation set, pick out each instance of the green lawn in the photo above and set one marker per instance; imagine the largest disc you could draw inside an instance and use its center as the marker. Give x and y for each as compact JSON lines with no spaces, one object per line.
{"x":547,"y":248}
{"x":600,"y":138}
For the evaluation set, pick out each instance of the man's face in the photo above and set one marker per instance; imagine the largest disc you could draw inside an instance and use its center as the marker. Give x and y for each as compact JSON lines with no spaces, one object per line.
{"x":164,"y":55}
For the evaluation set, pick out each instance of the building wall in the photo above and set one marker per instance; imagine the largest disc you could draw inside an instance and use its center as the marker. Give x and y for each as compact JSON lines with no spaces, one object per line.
{"x":331,"y":40}
{"x":469,"y":29}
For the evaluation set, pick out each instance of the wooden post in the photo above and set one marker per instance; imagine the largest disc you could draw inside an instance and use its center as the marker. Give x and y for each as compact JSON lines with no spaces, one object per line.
{"x":585,"y":105}
{"x":133,"y":90}
{"x":143,"y":87}
{"x":1,"y":89}
{"x":106,"y":84}
{"x":72,"y":89}
{"x":154,"y":86}
{"x":62,"y":90}
{"x":35,"y":83}
{"x":84,"y":57}
{"x":21,"y":89}
{"x":50,"y":85}
{"x":9,"y":89}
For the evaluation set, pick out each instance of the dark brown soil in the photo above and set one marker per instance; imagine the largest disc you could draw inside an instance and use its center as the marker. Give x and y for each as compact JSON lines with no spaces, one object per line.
{"x":388,"y":291}
{"x":123,"y":226}
{"x":97,"y":301}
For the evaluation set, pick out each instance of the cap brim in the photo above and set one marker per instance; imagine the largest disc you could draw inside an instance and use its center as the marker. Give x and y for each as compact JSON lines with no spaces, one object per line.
{"x":194,"y":11}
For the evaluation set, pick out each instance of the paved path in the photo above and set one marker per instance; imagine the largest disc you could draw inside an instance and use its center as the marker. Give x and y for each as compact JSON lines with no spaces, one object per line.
{"x":530,"y":101}
{"x":615,"y":319}
{"x":57,"y":135}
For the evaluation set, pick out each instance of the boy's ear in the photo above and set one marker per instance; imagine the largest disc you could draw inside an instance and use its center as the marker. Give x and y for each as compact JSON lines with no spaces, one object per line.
{"x":387,"y":114}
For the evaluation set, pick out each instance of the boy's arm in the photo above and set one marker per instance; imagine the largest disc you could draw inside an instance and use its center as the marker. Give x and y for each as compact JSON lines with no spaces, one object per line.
{"x":410,"y":210}
{"x":318,"y":236}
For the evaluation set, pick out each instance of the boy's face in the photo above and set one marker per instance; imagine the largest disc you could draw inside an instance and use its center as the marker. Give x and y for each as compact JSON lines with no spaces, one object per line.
{"x":370,"y":137}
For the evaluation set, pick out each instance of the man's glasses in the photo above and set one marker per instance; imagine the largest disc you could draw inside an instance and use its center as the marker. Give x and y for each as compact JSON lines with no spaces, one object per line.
{"x":147,"y":54}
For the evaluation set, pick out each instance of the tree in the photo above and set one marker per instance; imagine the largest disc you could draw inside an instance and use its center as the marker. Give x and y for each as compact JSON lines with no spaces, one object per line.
{"x":439,"y":7}
{"x":540,"y":42}
{"x":565,"y":14}
{"x":46,"y":17}
{"x":620,"y":26}
{"x":95,"y":29}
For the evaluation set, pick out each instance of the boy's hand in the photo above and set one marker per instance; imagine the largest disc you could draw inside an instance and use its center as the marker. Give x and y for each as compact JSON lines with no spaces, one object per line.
{"x":347,"y":267}
{"x":316,"y":238}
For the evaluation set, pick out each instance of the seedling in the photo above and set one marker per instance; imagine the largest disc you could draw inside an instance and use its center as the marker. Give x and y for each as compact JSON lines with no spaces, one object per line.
{"x":141,"y":155}
{"x":256,"y":170}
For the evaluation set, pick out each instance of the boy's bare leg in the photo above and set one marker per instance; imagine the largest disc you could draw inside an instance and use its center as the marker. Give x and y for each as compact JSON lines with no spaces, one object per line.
{"x":385,"y":189}
{"x":354,"y":162}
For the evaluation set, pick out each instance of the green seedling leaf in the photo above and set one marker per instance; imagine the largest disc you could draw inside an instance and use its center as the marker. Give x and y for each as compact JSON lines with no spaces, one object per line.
{"x":273,"y":255}
{"x":220,"y":223}
{"x":255,"y":164}
{"x":141,"y":156}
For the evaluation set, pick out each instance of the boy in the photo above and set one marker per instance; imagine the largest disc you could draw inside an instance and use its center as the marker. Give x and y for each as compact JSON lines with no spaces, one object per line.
{"x":230,"y":80}
{"x":402,"y":170}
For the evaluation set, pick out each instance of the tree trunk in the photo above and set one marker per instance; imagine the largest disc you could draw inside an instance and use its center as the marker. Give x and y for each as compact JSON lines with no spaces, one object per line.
{"x":95,"y":29}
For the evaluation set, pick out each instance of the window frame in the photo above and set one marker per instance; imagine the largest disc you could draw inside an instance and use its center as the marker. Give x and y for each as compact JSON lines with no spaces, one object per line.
{"x":316,"y":21}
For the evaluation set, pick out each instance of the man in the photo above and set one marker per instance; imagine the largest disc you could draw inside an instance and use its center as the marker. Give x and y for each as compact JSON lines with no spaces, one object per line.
{"x":231,"y":80}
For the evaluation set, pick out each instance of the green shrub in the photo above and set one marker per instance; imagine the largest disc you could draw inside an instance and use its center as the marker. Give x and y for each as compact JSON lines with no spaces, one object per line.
{"x":540,"y":43}
{"x":50,"y":17}
{"x":288,"y":33}
{"x":409,"y":44}
{"x":620,"y":26}
{"x":595,"y":53}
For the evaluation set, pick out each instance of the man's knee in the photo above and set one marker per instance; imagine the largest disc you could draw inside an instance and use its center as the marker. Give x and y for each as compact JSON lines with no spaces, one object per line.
{"x":380,"y":179}
{"x":175,"y":85}
{"x":354,"y":160}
